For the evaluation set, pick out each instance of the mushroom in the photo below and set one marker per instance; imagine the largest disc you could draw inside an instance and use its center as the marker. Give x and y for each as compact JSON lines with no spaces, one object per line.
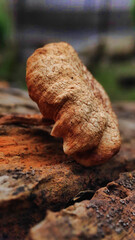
{"x":67,"y":93}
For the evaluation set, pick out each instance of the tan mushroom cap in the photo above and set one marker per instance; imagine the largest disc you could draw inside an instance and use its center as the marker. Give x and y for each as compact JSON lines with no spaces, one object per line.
{"x":67,"y":93}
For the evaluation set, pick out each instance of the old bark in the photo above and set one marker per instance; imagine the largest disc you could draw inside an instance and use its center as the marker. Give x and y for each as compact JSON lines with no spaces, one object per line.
{"x":109,"y":215}
{"x":35,"y":174}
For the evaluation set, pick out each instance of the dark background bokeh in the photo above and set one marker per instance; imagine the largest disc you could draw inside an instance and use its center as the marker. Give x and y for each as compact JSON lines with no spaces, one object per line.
{"x":102,"y":31}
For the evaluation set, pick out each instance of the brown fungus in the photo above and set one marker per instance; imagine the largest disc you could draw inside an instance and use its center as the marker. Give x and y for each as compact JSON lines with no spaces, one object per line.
{"x":67,"y":93}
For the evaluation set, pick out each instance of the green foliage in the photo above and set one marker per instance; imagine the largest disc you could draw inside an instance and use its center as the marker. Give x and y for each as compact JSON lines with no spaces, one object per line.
{"x":5,"y":23}
{"x":7,"y":53}
{"x":133,"y":10}
{"x":108,"y":74}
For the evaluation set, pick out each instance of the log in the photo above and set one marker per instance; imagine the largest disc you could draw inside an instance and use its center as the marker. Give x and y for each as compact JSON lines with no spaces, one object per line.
{"x":35,"y":174}
{"x":110,"y":215}
{"x":16,"y":101}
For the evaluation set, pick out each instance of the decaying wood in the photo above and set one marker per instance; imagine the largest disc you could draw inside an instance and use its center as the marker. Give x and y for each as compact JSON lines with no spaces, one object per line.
{"x":109,"y":215}
{"x":35,"y":174}
{"x":16,"y":101}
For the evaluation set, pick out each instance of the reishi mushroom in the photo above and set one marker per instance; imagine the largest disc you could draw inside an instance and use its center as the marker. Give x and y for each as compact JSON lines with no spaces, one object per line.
{"x":67,"y":93}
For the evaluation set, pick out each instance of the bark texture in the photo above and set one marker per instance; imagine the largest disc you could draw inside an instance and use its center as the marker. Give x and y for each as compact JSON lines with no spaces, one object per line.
{"x":35,"y":174}
{"x":109,"y":215}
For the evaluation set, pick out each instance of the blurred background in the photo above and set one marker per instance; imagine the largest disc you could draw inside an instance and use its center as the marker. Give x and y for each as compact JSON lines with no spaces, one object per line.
{"x":102,"y":31}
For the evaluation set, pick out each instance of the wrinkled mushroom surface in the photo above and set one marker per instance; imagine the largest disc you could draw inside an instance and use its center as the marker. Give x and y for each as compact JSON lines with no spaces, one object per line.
{"x":67,"y":93}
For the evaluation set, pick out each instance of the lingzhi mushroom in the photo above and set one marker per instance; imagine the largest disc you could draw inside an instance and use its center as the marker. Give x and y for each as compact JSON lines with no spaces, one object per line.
{"x":67,"y":93}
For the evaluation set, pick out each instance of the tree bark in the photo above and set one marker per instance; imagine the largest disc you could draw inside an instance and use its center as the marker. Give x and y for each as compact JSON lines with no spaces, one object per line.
{"x":35,"y":174}
{"x":109,"y":215}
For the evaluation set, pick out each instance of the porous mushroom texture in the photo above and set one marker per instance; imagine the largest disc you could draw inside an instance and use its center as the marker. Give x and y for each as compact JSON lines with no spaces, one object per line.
{"x":67,"y":93}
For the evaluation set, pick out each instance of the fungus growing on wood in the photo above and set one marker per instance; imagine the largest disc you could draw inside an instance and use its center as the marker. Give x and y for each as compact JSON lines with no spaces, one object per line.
{"x":67,"y":93}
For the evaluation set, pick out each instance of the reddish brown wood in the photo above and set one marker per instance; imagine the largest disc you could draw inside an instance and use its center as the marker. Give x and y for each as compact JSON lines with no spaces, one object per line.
{"x":35,"y":174}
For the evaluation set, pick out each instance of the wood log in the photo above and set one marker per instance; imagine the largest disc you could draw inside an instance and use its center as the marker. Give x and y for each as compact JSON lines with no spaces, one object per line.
{"x":35,"y":174}
{"x":109,"y":215}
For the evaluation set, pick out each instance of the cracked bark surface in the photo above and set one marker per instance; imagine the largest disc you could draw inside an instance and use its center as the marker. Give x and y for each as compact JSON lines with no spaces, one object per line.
{"x":110,"y":215}
{"x":35,"y":174}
